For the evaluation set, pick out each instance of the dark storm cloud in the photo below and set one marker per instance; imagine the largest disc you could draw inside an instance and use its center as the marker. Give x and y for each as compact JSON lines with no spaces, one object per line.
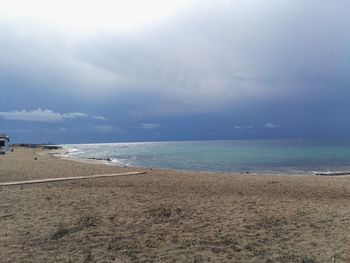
{"x":282,"y":63}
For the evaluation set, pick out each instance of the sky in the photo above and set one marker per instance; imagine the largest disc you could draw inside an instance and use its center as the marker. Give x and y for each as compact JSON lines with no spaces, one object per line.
{"x":111,"y":71}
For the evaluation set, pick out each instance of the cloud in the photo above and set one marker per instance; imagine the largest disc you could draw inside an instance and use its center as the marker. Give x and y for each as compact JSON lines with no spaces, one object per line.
{"x":74,"y":115}
{"x":248,"y":127}
{"x":40,"y":115}
{"x":107,"y":129}
{"x":112,"y":16}
{"x":99,"y":118}
{"x":149,"y":126}
{"x":242,"y":59}
{"x":270,"y":125}
{"x":215,"y":62}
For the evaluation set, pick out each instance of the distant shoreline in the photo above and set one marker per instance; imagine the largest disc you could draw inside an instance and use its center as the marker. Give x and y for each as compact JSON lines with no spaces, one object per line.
{"x":242,"y":157}
{"x":34,"y":146}
{"x":62,"y":154}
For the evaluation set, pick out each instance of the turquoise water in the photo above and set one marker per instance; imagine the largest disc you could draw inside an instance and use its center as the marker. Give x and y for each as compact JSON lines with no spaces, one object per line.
{"x":276,"y":156}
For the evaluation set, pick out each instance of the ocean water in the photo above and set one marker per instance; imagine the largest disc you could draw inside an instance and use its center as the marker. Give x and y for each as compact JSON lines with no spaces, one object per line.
{"x":255,"y":156}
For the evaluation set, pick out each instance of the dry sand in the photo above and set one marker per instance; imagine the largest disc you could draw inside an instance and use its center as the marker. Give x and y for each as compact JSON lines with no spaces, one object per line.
{"x":168,"y":216}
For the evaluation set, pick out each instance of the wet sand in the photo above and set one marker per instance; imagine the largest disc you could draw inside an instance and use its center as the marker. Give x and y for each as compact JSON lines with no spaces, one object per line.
{"x":168,"y":216}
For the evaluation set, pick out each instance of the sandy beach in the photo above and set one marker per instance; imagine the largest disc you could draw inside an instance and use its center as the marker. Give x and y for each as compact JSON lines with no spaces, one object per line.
{"x":168,"y":216}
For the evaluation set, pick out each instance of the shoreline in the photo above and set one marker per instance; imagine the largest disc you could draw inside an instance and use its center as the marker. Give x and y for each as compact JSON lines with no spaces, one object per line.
{"x":168,"y":216}
{"x":286,"y":157}
{"x":109,"y":163}
{"x":64,"y":154}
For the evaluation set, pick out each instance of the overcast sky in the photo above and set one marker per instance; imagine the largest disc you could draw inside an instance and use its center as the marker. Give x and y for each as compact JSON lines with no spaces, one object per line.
{"x":108,"y":71}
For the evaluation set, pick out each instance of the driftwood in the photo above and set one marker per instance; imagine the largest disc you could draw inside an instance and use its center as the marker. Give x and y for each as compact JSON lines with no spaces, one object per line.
{"x":332,"y":173}
{"x":49,"y":180}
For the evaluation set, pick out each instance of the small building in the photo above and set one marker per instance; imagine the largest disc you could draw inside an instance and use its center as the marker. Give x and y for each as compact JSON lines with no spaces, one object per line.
{"x":4,"y":143}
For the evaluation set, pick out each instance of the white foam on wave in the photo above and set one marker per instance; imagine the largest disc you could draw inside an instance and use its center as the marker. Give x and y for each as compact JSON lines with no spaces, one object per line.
{"x":74,"y":151}
{"x":117,"y":162}
{"x":69,"y":152}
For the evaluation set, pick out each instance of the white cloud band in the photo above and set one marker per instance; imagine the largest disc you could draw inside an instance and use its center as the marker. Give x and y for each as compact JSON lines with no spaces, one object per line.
{"x":40,"y":115}
{"x":149,"y":126}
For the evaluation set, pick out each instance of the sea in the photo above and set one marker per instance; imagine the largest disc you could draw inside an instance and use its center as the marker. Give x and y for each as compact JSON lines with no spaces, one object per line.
{"x":287,"y":156}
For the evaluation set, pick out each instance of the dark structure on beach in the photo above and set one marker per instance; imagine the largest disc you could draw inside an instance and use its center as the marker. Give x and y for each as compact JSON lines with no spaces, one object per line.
{"x":4,"y":143}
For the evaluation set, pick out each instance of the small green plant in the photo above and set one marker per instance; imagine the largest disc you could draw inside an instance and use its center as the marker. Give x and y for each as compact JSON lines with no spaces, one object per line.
{"x":165,"y":212}
{"x":88,"y":257}
{"x":60,"y":232}
{"x":229,"y":241}
{"x":161,"y":211}
{"x":307,"y":259}
{"x":89,"y":219}
{"x":267,"y":219}
{"x":297,"y":258}
{"x":68,"y":259}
